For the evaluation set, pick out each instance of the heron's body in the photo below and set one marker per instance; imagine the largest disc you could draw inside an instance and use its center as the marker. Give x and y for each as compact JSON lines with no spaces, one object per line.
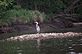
{"x":37,"y":27}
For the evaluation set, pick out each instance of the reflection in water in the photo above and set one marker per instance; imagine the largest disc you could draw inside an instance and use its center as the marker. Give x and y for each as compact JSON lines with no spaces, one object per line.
{"x":80,"y":44}
{"x":71,"y":49}
{"x":19,"y":50}
{"x":68,"y":45}
{"x":79,"y":53}
{"x":80,"y":38}
{"x":73,"y":44}
{"x":71,"y":53}
{"x":18,"y":47}
{"x":19,"y":53}
{"x":69,"y":40}
{"x":63,"y":46}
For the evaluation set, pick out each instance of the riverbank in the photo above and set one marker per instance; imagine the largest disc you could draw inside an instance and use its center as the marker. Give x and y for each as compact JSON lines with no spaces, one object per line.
{"x":43,"y":36}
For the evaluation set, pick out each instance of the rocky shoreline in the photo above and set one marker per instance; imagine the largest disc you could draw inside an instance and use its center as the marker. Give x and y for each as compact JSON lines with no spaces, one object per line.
{"x":43,"y":36}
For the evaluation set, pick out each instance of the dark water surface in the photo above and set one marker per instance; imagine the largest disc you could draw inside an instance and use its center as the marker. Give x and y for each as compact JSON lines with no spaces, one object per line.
{"x":70,"y":45}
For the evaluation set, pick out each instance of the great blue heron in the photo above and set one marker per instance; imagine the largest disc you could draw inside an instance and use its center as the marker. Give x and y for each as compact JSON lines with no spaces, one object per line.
{"x":37,"y":27}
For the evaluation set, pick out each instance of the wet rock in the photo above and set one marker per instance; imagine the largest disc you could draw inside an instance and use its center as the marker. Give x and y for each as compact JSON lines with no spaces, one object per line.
{"x":43,"y":36}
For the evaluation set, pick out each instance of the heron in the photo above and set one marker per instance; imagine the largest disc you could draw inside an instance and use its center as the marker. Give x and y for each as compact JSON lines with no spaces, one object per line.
{"x":37,"y":27}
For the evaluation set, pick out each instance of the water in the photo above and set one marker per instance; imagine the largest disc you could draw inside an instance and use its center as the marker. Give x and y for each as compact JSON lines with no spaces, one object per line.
{"x":72,"y":45}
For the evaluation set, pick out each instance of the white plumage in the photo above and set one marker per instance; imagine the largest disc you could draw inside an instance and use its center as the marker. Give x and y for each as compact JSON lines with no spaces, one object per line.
{"x":37,"y":27}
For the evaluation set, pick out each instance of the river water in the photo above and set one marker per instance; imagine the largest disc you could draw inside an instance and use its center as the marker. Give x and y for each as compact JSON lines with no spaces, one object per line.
{"x":70,"y":45}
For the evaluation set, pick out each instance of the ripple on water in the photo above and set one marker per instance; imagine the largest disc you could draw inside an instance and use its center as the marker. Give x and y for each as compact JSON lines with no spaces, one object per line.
{"x":79,"y":53}
{"x":80,"y":44}
{"x":69,"y":40}
{"x":73,"y":44}
{"x":69,"y":47}
{"x":72,"y":53}
{"x":19,"y":50}
{"x":81,"y":39}
{"x":19,"y":53}
{"x":18,"y":47}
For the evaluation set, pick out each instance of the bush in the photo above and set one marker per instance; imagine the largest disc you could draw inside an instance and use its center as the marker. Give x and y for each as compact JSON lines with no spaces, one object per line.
{"x":23,"y":16}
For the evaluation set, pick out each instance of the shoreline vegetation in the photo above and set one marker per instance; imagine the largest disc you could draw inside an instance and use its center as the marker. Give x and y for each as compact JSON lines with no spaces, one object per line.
{"x":46,"y":28}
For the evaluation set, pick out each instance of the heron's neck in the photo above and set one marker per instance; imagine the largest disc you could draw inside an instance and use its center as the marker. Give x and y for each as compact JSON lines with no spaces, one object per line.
{"x":37,"y":25}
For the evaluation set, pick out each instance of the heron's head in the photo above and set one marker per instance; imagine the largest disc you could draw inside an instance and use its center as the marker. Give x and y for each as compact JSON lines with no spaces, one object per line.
{"x":36,"y":22}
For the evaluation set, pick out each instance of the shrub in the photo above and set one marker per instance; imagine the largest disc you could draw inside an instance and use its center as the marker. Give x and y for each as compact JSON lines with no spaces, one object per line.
{"x":23,"y":16}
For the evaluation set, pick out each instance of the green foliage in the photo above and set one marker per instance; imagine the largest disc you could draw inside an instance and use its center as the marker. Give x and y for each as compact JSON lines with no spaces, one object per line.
{"x":4,"y":6}
{"x":27,"y":11}
{"x":22,"y":16}
{"x":48,"y":6}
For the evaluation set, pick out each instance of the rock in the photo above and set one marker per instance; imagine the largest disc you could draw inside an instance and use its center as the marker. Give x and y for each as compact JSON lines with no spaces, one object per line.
{"x":43,"y":36}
